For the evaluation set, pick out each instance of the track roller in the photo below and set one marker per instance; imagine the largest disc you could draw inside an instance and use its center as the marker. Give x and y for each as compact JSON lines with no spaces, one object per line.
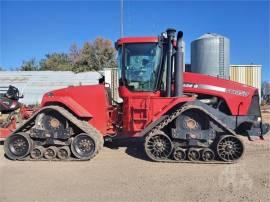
{"x":230,"y":148}
{"x":18,"y":145}
{"x":208,"y":155}
{"x":193,"y":154}
{"x":37,"y":152}
{"x":158,"y":146}
{"x":63,"y":153}
{"x":179,"y":154}
{"x":50,"y":152}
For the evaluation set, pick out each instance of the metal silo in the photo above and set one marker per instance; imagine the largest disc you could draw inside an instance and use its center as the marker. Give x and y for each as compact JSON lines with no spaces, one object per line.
{"x":210,"y":54}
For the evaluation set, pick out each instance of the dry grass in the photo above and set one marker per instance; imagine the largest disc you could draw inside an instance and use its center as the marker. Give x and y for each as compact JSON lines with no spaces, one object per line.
{"x":266,"y":113}
{"x":266,"y":117}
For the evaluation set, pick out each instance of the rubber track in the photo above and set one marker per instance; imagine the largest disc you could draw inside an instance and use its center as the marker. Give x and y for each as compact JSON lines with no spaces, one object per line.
{"x":173,"y":116}
{"x":83,"y":125}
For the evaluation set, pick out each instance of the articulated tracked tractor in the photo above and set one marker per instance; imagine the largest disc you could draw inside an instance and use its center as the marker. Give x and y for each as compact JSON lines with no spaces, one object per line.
{"x":180,"y":116}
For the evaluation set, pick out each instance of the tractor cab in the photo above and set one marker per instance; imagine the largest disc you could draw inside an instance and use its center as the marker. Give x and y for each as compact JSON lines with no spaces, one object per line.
{"x":147,"y":66}
{"x":139,"y":63}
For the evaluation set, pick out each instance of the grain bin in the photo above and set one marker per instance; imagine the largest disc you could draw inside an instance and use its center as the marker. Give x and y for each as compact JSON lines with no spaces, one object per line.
{"x":210,"y":54}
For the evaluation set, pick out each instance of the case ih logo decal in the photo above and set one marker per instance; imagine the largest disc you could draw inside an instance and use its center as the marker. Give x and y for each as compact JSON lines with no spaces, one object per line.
{"x":217,"y":88}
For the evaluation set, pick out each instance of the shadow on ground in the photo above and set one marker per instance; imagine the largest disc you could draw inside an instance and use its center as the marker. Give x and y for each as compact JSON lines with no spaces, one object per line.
{"x":133,"y":147}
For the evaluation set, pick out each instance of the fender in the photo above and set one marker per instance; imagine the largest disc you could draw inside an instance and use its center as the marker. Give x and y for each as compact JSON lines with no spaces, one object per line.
{"x":67,"y":102}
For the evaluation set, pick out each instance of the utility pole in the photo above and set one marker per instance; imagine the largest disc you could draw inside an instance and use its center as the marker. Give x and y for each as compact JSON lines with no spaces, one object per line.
{"x":122,"y":18}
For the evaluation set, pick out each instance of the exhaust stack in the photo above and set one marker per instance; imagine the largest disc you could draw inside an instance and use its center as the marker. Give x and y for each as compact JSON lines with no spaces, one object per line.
{"x":179,"y":65}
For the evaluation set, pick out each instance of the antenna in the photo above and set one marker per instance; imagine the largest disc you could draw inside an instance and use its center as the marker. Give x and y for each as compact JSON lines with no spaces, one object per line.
{"x":122,"y":18}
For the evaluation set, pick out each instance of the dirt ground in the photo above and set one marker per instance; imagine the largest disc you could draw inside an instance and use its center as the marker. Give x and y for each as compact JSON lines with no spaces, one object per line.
{"x":124,"y":174}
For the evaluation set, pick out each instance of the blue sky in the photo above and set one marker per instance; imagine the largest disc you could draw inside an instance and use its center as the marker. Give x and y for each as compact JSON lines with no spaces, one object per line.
{"x":31,"y":29}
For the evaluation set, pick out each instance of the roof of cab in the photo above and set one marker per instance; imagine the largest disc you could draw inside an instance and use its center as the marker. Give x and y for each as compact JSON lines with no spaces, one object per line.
{"x":136,"y":40}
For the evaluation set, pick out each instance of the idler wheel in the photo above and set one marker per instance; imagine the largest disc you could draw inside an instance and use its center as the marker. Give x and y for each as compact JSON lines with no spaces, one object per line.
{"x":18,"y":145}
{"x":84,"y":146}
{"x":230,"y":148}
{"x":158,"y":146}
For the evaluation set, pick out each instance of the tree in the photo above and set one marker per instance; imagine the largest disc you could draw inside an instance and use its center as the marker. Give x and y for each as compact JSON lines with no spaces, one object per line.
{"x":265,"y":88}
{"x":103,"y":54}
{"x":29,"y":65}
{"x":83,"y":61}
{"x":95,"y":56}
{"x":74,"y":53}
{"x":56,"y":62}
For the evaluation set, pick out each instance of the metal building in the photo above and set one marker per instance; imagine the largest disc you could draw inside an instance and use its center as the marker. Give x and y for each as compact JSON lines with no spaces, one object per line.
{"x":210,"y":54}
{"x":33,"y":84}
{"x":247,"y":74}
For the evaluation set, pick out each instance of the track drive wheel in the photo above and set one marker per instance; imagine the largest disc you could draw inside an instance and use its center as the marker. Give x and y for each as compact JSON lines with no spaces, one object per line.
{"x":85,"y":146}
{"x":63,"y":153}
{"x":51,"y":121}
{"x":158,"y":146}
{"x":230,"y":148}
{"x":18,"y":145}
{"x":179,"y":154}
{"x":193,"y":121}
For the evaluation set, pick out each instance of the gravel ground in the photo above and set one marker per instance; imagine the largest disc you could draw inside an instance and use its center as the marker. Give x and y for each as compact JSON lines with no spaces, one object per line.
{"x":123,"y":174}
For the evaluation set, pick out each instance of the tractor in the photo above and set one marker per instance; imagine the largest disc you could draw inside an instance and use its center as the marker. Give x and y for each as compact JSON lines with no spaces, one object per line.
{"x":12,"y":112}
{"x":180,"y":116}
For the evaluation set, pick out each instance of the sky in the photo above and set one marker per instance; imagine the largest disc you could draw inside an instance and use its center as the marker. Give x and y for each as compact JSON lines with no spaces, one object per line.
{"x":31,"y":29}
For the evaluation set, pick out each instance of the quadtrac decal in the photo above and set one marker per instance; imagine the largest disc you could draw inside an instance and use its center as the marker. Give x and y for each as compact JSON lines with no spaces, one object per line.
{"x":216,"y":88}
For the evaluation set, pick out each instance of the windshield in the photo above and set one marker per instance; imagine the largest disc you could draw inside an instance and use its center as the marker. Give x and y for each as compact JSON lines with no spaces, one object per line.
{"x":141,"y":63}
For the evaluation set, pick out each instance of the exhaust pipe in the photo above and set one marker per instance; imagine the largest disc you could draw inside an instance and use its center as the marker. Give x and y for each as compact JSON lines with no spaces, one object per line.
{"x":179,"y":65}
{"x":170,"y":36}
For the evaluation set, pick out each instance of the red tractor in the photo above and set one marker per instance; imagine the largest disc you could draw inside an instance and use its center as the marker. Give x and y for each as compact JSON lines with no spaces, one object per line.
{"x":12,"y":112}
{"x":180,"y":116}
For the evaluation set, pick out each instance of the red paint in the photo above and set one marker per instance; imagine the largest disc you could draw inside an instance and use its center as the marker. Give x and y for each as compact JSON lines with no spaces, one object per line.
{"x":87,"y":102}
{"x":142,"y":108}
{"x":137,"y":40}
{"x":4,"y":133}
{"x":139,"y":109}
{"x":233,"y":101}
{"x":25,"y":113}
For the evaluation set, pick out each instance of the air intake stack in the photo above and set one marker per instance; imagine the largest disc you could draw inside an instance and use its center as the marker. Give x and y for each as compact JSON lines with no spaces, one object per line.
{"x":170,"y":37}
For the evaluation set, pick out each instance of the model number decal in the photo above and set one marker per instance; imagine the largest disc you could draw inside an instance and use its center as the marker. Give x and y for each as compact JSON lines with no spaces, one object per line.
{"x":216,"y":88}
